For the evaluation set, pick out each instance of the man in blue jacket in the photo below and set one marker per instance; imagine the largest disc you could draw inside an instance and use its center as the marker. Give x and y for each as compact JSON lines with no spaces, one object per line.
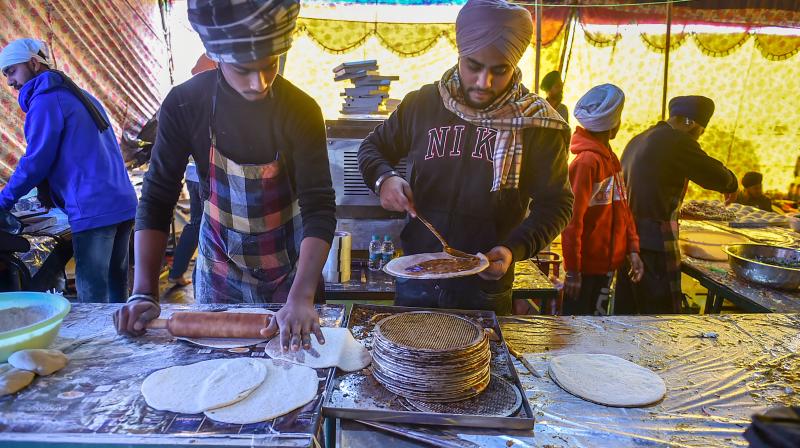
{"x":72,"y":146}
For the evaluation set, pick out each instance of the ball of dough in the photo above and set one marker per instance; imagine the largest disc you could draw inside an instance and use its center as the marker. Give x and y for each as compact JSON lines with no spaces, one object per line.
{"x":13,"y":380}
{"x":41,"y":361}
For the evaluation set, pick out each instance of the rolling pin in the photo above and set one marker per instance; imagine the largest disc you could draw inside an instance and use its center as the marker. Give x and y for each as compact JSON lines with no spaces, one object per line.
{"x":213,"y":325}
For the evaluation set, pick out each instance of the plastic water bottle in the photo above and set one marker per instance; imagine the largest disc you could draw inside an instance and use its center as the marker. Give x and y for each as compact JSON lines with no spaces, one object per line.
{"x":375,"y":262}
{"x":387,"y":249}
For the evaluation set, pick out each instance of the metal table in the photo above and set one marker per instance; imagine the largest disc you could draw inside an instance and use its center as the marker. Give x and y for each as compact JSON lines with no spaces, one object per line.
{"x":722,"y":284}
{"x":713,"y":385}
{"x":529,"y":282}
{"x":96,"y":399}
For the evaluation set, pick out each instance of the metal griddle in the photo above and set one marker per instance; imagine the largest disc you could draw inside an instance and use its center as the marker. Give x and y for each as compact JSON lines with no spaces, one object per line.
{"x":358,"y":396}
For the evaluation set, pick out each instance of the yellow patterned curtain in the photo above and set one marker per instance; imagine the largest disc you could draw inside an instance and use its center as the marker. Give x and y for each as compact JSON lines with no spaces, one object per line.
{"x":754,"y":127}
{"x":753,"y":80}
{"x":417,"y":53}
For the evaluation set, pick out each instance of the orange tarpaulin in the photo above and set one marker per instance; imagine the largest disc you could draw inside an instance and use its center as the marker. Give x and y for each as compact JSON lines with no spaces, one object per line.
{"x":114,"y":49}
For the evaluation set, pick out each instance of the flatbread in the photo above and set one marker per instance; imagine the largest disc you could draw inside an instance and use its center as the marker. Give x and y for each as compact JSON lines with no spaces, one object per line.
{"x":606,"y":379}
{"x":230,"y":342}
{"x":408,"y":266}
{"x":231,"y":382}
{"x":708,"y":244}
{"x":193,"y":388}
{"x":340,"y":350}
{"x":287,"y":387}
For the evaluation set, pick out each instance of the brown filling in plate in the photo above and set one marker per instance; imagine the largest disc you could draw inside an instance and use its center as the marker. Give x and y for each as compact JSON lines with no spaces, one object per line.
{"x":435,"y":265}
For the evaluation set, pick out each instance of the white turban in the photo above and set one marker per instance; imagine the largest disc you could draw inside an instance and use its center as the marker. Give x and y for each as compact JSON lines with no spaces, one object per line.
{"x":23,"y":50}
{"x":600,"y":109}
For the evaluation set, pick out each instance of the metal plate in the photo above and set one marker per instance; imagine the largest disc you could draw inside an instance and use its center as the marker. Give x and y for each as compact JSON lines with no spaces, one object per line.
{"x":431,"y":356}
{"x":399,"y":267}
{"x":505,"y":401}
{"x":358,"y":396}
{"x":426,"y":330}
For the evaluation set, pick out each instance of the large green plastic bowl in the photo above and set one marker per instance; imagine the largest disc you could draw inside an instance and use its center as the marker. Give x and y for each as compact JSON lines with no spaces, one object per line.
{"x":38,"y":335}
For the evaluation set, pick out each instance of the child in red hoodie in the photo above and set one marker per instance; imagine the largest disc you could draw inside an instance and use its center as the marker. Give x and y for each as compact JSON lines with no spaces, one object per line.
{"x":602,"y":232}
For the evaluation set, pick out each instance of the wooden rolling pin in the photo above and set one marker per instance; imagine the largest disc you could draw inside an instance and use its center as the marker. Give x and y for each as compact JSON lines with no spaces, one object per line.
{"x":213,"y":325}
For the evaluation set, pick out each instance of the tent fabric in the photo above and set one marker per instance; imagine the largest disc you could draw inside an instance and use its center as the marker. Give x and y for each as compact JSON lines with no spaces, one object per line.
{"x":404,"y":39}
{"x":112,"y":48}
{"x":748,"y":13}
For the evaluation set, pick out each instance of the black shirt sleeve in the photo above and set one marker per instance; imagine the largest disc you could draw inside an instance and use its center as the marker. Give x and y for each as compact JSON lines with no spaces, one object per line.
{"x":163,"y":181}
{"x":386,"y":144}
{"x":315,"y":192}
{"x":547,"y":184}
{"x":707,"y":171}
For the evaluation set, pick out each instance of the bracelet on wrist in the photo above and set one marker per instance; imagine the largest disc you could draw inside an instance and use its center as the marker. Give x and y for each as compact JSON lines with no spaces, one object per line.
{"x":146,"y":297}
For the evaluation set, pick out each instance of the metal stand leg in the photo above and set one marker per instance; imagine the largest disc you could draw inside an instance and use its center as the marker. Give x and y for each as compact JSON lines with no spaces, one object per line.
{"x":330,"y":432}
{"x":718,"y":300}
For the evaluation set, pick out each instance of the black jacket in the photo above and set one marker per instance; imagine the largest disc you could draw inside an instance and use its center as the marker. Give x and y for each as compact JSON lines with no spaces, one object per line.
{"x":450,"y":173}
{"x":657,"y":164}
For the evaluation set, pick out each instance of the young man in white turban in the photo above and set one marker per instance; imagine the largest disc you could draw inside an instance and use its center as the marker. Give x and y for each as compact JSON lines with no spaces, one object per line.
{"x":72,"y":147}
{"x":261,"y":156}
{"x":601,"y":233}
{"x":481,"y":150}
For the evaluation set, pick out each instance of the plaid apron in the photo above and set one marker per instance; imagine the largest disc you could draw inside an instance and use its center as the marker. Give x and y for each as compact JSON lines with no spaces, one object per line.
{"x":249,"y":231}
{"x":672,"y":252}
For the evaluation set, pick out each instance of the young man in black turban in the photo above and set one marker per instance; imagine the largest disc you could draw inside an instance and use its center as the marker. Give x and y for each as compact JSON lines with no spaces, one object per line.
{"x":259,"y":146}
{"x":658,"y":165}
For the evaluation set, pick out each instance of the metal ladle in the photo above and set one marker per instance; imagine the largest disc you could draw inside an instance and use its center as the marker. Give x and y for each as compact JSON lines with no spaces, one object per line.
{"x":445,"y":247}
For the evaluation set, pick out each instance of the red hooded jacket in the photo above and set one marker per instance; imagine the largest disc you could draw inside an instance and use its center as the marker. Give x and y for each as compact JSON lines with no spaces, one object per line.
{"x":599,"y":225}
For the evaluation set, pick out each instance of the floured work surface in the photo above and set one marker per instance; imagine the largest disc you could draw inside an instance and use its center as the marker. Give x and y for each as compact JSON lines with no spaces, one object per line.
{"x":358,"y":395}
{"x":713,"y":385}
{"x":97,"y":397}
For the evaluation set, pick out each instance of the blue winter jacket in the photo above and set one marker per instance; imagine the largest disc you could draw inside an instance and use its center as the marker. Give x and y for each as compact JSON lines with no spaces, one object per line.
{"x":83,"y":166}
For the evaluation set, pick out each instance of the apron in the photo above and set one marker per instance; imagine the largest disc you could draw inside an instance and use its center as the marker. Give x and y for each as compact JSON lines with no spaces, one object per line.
{"x":249,"y":233}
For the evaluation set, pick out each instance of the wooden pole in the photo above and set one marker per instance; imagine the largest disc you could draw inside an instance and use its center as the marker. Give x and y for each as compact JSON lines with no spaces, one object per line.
{"x":666,"y":61}
{"x":565,"y":42}
{"x":563,"y":65}
{"x":538,"y":17}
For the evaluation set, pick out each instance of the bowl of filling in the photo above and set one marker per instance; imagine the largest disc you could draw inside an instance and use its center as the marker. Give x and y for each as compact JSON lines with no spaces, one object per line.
{"x":29,"y":320}
{"x":773,"y":266}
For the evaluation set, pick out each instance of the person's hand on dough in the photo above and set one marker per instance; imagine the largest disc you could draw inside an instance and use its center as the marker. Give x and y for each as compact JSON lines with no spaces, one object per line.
{"x":296,"y":321}
{"x":500,"y":259}
{"x":131,"y":319}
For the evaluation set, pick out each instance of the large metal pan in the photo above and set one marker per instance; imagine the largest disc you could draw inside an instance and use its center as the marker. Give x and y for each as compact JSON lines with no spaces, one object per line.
{"x":744,"y":261}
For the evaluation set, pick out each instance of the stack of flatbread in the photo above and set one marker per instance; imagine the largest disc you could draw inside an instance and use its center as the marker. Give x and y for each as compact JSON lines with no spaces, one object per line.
{"x":428,"y":356}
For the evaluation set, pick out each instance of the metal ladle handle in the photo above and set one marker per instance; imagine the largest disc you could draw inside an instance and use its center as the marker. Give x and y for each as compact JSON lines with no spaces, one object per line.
{"x":434,"y":232}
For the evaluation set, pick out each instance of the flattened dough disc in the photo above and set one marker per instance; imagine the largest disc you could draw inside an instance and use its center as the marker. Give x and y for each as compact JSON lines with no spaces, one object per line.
{"x":340,"y":350}
{"x":286,"y":388}
{"x":707,"y":244}
{"x":184,"y":389}
{"x":606,"y":379}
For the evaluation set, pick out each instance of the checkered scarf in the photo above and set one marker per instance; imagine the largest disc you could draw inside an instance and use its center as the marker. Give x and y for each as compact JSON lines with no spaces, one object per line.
{"x":510,"y":113}
{"x":239,"y":31}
